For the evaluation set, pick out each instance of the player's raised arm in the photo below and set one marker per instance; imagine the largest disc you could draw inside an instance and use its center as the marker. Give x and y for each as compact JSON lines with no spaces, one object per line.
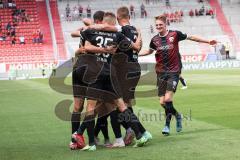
{"x":75,"y":34}
{"x":93,"y":49}
{"x":88,"y":21}
{"x":201,"y":40}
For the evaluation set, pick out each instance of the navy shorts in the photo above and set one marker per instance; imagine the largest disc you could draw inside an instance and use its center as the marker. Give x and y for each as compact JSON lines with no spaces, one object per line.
{"x":167,"y":82}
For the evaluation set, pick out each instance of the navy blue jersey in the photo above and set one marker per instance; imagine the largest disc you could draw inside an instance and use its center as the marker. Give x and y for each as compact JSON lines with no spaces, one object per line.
{"x":167,"y":51}
{"x":131,"y":33}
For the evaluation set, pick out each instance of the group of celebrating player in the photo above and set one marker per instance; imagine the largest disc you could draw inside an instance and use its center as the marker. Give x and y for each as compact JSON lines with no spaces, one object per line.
{"x":106,"y":74}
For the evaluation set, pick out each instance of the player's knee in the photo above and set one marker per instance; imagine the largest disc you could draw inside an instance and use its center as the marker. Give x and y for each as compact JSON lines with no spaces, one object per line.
{"x":90,"y":109}
{"x":168,"y":99}
{"x":78,"y":107}
{"x":162,"y":103}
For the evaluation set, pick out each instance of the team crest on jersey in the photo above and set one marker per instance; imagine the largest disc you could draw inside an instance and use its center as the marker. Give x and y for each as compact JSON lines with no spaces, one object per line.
{"x":171,"y":39}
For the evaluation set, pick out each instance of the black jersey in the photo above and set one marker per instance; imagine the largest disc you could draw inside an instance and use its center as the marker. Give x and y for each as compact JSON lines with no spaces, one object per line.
{"x":82,"y":39}
{"x":81,"y":43}
{"x":102,"y":39}
{"x":131,"y":33}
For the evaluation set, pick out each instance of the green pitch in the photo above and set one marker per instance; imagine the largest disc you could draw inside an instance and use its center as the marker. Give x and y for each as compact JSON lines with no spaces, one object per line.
{"x":30,"y":129}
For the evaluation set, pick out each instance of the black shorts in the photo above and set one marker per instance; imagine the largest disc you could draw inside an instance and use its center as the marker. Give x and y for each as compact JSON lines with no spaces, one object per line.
{"x":79,"y":86}
{"x":105,"y":87}
{"x":167,"y":82}
{"x":128,"y":74}
{"x":84,"y":73}
{"x":129,"y":84}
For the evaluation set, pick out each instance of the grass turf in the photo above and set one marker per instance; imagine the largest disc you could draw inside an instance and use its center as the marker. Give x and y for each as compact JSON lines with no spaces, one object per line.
{"x":30,"y":128}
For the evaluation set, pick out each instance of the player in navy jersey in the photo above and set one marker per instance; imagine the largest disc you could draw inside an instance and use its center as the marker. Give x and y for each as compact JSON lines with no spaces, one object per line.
{"x":168,"y":66}
{"x":105,"y":80}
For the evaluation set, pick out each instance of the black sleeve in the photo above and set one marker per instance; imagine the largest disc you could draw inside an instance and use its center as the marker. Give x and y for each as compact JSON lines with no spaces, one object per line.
{"x":181,"y":36}
{"x":152,"y":46}
{"x":86,"y":34}
{"x":123,"y":30}
{"x":121,"y":37}
{"x":82,"y":35}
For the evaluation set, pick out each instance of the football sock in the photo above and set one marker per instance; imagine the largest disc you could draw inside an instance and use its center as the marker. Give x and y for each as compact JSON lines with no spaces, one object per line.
{"x":140,"y":126}
{"x":97,"y":127}
{"x":82,"y":128}
{"x":182,"y":81}
{"x":115,"y":124}
{"x":123,"y":123}
{"x":104,"y":126}
{"x":132,"y":121}
{"x":170,"y":106}
{"x":90,"y":122}
{"x":168,"y":116}
{"x":75,"y":120}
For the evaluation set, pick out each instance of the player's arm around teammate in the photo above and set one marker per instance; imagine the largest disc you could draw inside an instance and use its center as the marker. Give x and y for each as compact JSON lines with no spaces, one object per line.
{"x":106,"y":27}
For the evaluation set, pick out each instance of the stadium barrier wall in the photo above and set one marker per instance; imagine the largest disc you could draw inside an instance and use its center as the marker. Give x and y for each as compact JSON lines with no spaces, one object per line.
{"x":64,"y":68}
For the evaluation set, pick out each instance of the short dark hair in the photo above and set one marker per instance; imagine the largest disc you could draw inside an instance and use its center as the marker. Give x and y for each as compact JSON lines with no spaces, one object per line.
{"x":98,"y":15}
{"x":161,"y":18}
{"x":123,"y":12}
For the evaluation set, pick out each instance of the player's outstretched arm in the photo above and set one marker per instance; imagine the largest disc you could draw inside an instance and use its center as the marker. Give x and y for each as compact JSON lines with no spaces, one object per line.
{"x":201,"y":40}
{"x":93,"y":49}
{"x":146,"y":52}
{"x":87,"y":23}
{"x":75,"y":34}
{"x":138,"y":44}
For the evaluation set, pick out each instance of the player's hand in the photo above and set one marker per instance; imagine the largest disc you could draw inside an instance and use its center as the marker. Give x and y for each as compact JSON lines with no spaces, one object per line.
{"x":111,"y":49}
{"x":213,"y":42}
{"x":85,"y":28}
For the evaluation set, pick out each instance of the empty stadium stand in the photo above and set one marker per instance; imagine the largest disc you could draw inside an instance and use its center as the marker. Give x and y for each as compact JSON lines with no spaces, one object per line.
{"x":29,"y":52}
{"x":204,"y":26}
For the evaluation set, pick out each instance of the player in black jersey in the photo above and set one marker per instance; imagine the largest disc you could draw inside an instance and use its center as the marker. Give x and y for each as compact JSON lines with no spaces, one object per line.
{"x":105,"y":80}
{"x":79,"y":86}
{"x":128,"y":74}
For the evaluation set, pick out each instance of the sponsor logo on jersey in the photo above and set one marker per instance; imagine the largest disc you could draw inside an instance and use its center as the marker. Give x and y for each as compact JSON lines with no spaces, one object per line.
{"x":166,"y":47}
